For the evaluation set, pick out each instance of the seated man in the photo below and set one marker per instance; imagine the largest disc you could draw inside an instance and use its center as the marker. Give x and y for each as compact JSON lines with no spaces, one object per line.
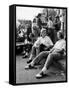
{"x":44,"y":39}
{"x":56,"y":53}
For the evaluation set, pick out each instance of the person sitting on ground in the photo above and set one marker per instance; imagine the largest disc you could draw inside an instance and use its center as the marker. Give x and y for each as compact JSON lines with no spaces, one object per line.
{"x":55,"y":54}
{"x":44,"y":40}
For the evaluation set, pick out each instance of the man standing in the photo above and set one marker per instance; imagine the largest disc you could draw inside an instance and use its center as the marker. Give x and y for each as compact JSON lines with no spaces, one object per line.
{"x":57,"y":26}
{"x":39,"y":22}
{"x":50,"y":28}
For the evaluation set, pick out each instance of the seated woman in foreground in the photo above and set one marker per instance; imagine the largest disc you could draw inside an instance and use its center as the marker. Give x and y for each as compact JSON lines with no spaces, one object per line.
{"x":44,"y":40}
{"x":56,"y":53}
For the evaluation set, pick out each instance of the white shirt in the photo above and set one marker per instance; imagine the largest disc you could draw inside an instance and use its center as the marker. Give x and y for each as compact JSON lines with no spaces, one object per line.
{"x":50,"y":24}
{"x":45,"y":41}
{"x":21,"y":34}
{"x":60,"y":44}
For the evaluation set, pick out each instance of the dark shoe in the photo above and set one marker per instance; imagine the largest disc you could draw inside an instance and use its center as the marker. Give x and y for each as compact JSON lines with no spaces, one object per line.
{"x":29,"y":61}
{"x":40,"y":75}
{"x":25,"y":56}
{"x":30,"y":67}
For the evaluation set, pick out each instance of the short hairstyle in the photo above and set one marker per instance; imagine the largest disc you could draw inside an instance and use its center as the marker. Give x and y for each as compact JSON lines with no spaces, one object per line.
{"x":61,"y":34}
{"x":39,"y":15}
{"x":34,"y":20}
{"x":43,"y":29}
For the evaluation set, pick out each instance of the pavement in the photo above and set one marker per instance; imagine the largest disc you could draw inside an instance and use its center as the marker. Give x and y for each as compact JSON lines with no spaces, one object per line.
{"x":28,"y":76}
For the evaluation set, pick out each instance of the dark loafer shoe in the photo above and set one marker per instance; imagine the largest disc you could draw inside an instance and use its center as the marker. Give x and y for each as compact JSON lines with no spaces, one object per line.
{"x":30,"y":67}
{"x":29,"y":61}
{"x":25,"y":56}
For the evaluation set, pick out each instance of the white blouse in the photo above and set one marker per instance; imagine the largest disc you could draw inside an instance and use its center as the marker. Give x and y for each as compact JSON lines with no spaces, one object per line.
{"x":60,"y":44}
{"x":45,"y":41}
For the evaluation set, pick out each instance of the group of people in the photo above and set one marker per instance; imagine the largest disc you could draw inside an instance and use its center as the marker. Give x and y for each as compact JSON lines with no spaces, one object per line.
{"x":52,"y":26}
{"x":46,"y":46}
